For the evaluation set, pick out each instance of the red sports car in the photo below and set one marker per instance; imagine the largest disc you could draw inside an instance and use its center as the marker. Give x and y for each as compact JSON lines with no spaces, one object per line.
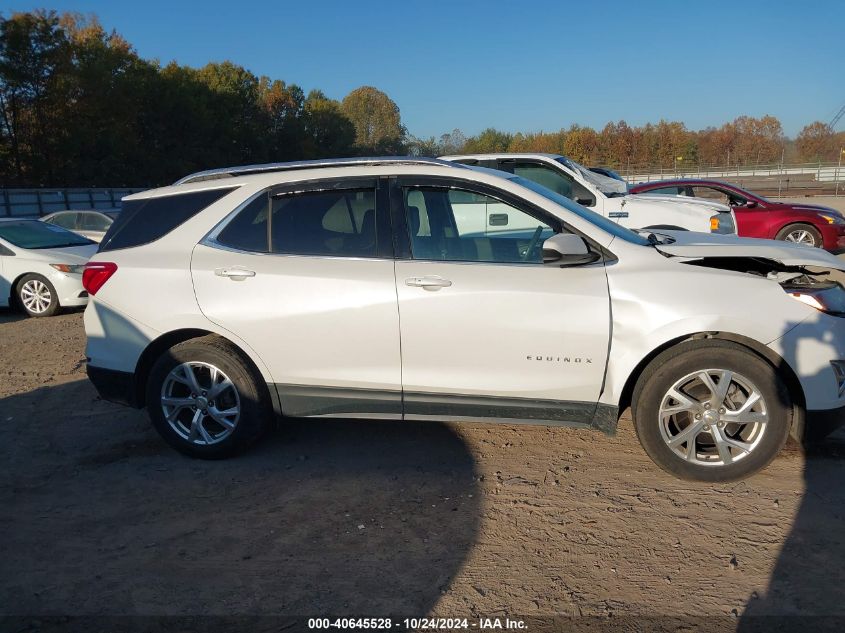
{"x":756,"y":216}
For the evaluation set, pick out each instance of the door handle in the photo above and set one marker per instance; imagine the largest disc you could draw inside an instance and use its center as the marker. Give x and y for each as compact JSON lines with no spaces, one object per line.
{"x":429,"y":283}
{"x":235,"y":273}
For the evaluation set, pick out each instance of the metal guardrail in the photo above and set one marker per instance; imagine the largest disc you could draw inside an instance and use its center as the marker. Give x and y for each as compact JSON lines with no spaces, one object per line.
{"x":820,"y":172}
{"x":21,"y":203}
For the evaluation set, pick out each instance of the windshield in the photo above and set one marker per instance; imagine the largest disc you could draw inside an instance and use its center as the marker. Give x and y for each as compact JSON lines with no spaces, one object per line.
{"x":582,"y":212}
{"x":35,"y":235}
{"x":608,"y":186}
{"x":749,"y":195}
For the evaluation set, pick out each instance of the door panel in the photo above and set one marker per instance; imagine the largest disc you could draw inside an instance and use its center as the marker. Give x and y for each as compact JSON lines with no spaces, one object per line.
{"x":327,"y":328}
{"x":296,"y":274}
{"x":504,"y":331}
{"x":488,"y":330}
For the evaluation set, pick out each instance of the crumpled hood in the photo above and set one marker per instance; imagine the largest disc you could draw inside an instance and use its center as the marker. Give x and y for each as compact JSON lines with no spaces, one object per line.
{"x":692,"y":245}
{"x":676,"y":200}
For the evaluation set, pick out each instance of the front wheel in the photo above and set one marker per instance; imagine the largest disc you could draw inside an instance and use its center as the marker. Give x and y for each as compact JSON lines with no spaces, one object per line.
{"x":37,"y":296}
{"x":711,"y":411}
{"x":805,"y":234}
{"x":206,"y":400}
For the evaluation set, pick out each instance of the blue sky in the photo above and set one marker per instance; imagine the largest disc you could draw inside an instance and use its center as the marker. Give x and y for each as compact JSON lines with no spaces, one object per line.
{"x":518,"y":66}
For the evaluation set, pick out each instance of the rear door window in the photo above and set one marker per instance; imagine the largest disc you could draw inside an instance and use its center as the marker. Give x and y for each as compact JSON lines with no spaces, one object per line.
{"x":339,"y":223}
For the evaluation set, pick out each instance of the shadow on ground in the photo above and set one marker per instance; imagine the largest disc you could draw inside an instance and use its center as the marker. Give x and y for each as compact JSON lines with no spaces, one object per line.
{"x":326,"y":517}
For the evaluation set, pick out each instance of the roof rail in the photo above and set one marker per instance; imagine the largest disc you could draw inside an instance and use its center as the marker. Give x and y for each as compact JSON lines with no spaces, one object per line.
{"x":228,"y":172}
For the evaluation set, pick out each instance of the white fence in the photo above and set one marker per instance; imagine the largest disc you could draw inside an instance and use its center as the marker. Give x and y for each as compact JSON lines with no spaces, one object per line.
{"x":820,"y":172}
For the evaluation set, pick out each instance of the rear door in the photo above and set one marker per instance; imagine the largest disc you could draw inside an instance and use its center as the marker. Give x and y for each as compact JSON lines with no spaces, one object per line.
{"x":488,"y":330}
{"x":305,"y":276}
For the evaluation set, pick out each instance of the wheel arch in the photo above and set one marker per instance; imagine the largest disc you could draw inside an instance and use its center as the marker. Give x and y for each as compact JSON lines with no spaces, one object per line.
{"x":797,"y":222}
{"x":158,"y":346}
{"x":14,"y":301}
{"x":790,"y":378}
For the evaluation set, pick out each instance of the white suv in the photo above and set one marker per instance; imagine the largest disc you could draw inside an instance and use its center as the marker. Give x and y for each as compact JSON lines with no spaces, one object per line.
{"x":609,"y":196}
{"x":365,"y":288}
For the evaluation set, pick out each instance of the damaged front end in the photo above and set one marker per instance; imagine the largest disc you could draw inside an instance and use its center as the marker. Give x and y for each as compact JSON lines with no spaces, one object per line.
{"x":811,"y":285}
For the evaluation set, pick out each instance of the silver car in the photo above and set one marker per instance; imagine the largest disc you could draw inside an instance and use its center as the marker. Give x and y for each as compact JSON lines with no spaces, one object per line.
{"x":88,"y":223}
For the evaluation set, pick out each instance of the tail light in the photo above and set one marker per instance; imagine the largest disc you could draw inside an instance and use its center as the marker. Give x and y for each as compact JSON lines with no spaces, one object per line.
{"x":96,"y":274}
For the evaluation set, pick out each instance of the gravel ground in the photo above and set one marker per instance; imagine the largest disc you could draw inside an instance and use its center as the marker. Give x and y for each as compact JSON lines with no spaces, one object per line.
{"x":367,"y":518}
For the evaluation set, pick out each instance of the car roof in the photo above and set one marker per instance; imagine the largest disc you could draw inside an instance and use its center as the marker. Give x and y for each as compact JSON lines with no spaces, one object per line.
{"x":273,"y":174}
{"x":109,"y":210}
{"x":227,"y":172}
{"x":503,"y":155}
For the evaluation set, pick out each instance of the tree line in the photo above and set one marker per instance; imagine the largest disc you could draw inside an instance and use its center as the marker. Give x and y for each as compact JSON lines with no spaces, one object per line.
{"x":80,"y":107}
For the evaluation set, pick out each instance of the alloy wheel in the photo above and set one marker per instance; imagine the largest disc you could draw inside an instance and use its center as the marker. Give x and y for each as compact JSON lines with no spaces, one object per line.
{"x":801,"y":236}
{"x":713,"y":417}
{"x":36,"y":296}
{"x":200,"y":402}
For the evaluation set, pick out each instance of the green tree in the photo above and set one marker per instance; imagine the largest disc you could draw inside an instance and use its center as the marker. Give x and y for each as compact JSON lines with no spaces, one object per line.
{"x":489,"y":140}
{"x":35,"y":55}
{"x":329,"y":132}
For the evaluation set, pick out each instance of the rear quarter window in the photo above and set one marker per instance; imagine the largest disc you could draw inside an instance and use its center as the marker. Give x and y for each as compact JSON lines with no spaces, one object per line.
{"x":144,"y":221}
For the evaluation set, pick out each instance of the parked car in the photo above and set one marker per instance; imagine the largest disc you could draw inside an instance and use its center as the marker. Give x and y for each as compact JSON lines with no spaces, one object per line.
{"x":92,"y":224}
{"x":608,"y":196}
{"x":604,"y":171}
{"x":41,"y":266}
{"x":291,"y":288}
{"x":756,"y":216}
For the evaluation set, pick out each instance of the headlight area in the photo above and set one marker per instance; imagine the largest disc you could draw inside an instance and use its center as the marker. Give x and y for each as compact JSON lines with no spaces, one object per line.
{"x":76,"y":269}
{"x":832,"y":218}
{"x":825,"y":296}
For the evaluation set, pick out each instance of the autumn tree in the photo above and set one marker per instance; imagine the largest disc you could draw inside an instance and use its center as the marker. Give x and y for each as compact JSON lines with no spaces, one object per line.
{"x":375,"y":116}
{"x":815,"y":142}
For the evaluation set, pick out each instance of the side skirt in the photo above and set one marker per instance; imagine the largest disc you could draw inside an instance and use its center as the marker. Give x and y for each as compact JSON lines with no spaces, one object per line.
{"x":310,"y":401}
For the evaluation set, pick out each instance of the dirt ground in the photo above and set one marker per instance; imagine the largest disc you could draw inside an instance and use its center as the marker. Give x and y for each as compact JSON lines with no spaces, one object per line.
{"x":360,"y":518}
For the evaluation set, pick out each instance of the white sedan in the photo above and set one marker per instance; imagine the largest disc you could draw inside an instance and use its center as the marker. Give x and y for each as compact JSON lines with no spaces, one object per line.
{"x":41,"y":266}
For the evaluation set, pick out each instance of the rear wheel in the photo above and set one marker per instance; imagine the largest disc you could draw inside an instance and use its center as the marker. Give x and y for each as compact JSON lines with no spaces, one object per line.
{"x":805,"y":234}
{"x":206,"y":400}
{"x":37,"y":296}
{"x":711,"y":411}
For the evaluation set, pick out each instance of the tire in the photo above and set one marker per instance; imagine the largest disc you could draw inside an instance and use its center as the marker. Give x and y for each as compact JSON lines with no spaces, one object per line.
{"x":37,"y":296}
{"x":204,"y":426}
{"x":801,"y":234}
{"x":756,"y":441}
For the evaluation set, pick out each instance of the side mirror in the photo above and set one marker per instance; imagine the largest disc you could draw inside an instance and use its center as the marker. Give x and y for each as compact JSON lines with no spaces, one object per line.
{"x":750,"y":204}
{"x":567,"y":249}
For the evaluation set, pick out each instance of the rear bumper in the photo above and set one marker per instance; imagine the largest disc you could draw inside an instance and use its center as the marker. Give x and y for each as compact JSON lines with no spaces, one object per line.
{"x":112,"y":385}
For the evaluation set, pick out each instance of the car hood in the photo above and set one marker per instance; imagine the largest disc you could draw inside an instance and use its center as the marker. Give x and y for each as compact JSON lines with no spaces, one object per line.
{"x":675,"y":200}
{"x":692,"y":245}
{"x":67,"y":255}
{"x":816,"y":208}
